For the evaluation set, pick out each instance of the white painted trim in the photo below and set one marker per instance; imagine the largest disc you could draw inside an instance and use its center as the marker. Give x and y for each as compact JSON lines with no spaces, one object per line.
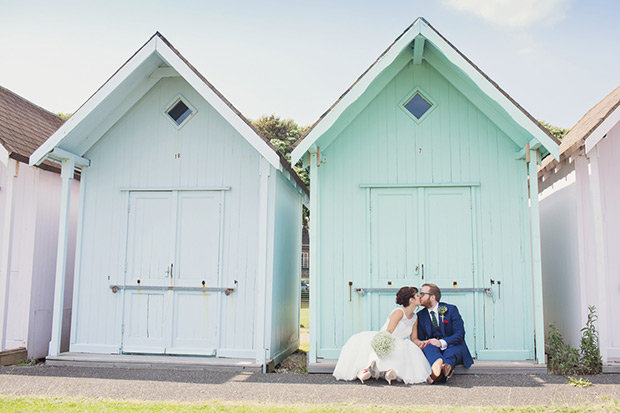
{"x":596,"y":195}
{"x":4,"y":156}
{"x":582,"y":178}
{"x":91,"y":104}
{"x":421,"y":28}
{"x":7,"y":247}
{"x":94,"y":348}
{"x":173,"y":102}
{"x":236,"y":353}
{"x":314,"y":258}
{"x":356,"y":91}
{"x":537,"y":284}
{"x":601,"y":130}
{"x":217,"y":103}
{"x":172,"y":188}
{"x":60,"y":155}
{"x":261,"y":273}
{"x":490,"y":90}
{"x":162,"y":72}
{"x":77,"y":269}
{"x":68,"y":168}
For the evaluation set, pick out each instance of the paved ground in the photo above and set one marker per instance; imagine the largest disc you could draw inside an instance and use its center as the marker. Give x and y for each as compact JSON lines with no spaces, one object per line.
{"x":193,"y":386}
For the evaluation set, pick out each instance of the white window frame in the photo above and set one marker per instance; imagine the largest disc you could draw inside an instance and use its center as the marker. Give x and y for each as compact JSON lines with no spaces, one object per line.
{"x":172,"y":103}
{"x":424,"y":96}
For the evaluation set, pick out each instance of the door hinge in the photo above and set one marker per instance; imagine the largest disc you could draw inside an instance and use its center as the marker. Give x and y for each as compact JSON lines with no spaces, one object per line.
{"x":122,"y":328}
{"x":129,"y":207}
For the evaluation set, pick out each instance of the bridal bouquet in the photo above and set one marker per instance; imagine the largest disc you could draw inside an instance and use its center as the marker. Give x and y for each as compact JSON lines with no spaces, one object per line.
{"x":382,"y":343}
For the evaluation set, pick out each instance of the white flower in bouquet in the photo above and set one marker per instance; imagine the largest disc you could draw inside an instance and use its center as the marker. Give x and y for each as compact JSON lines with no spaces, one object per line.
{"x":382,"y":343}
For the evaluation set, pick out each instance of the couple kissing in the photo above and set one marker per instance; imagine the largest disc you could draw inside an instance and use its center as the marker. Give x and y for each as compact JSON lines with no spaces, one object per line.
{"x":409,"y":347}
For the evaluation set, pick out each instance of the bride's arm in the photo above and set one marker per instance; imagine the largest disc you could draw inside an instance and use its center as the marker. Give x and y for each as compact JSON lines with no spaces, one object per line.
{"x":414,"y":335}
{"x":394,"y":319}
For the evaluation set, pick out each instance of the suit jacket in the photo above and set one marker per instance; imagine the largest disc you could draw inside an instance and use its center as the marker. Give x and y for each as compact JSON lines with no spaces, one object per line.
{"x":451,"y":329}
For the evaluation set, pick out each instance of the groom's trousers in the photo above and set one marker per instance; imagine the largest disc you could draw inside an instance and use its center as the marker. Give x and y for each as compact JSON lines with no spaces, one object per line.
{"x":453,"y":355}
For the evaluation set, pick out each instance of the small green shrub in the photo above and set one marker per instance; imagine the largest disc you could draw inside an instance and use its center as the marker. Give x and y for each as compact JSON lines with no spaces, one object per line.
{"x":565,"y":360}
{"x":591,"y":361}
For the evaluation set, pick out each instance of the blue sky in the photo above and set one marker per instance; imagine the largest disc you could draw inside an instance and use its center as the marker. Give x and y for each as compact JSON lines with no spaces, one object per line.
{"x":557,"y":58}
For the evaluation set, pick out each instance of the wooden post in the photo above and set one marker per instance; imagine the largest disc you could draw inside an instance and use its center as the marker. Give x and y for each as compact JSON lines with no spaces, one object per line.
{"x":261,"y":279}
{"x":537,"y":284}
{"x":7,"y":243}
{"x":314,"y":251}
{"x":68,"y":167}
{"x":600,"y":247}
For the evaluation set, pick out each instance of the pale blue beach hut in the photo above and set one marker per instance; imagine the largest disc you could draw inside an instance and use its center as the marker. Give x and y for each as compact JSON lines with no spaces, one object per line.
{"x":419,"y":173}
{"x":189,"y":235}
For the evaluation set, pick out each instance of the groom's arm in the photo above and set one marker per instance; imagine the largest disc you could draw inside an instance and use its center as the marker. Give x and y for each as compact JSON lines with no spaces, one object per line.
{"x":458,"y":328}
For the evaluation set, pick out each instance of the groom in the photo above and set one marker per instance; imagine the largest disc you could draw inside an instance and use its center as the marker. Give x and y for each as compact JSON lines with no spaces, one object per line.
{"x":442,"y":335}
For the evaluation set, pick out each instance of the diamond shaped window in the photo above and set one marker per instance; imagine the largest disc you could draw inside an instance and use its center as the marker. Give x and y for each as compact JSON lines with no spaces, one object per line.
{"x":179,"y":111}
{"x":418,"y":106}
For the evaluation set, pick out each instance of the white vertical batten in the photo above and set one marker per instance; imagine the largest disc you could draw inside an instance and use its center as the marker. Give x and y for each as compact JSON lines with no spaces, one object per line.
{"x":599,"y":243}
{"x":78,"y":260}
{"x":68,"y":166}
{"x":314,"y":250}
{"x":583,"y":198}
{"x":7,"y":243}
{"x":261,"y":273}
{"x":539,"y":320}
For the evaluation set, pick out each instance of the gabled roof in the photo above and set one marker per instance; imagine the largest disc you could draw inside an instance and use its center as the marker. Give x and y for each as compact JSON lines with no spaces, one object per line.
{"x":590,"y":129}
{"x":157,"y":58}
{"x":437,"y":50}
{"x":24,"y":126}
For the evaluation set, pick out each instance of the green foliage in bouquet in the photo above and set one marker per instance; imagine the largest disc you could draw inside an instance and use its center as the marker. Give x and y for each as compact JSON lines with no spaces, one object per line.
{"x":383,"y":343}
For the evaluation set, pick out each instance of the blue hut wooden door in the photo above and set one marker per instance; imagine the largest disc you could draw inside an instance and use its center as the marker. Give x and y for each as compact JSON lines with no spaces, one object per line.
{"x":423,"y":235}
{"x":172,"y":273}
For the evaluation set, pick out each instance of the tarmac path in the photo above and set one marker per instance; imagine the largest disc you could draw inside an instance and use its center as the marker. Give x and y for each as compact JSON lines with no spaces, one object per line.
{"x":199,"y":386}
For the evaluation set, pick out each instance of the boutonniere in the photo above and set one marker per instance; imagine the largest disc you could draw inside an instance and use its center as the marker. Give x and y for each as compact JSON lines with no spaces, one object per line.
{"x":442,"y":310}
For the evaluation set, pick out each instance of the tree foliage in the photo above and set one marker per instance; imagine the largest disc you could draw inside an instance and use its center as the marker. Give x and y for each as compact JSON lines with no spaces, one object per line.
{"x":556,"y":131}
{"x":282,"y":133}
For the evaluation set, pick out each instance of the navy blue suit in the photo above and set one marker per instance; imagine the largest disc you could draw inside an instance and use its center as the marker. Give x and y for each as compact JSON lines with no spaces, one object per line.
{"x":452,"y":330}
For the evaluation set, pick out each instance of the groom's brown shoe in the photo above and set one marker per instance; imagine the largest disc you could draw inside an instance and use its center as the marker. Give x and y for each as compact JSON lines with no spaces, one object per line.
{"x":447,"y":371}
{"x":436,"y":372}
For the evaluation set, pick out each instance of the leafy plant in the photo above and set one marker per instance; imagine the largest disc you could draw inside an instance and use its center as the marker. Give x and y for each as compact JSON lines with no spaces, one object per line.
{"x":28,"y":362}
{"x":580,"y":382}
{"x":565,"y":360}
{"x":591,"y":361}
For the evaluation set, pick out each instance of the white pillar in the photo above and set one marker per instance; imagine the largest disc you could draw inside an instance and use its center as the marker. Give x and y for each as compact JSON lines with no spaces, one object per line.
{"x":314,"y":256}
{"x":7,"y":244}
{"x":261,"y":279}
{"x":68,"y":167}
{"x":599,"y":242}
{"x":537,"y":284}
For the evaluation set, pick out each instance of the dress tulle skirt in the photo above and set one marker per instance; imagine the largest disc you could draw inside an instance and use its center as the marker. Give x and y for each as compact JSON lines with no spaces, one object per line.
{"x":407,"y":360}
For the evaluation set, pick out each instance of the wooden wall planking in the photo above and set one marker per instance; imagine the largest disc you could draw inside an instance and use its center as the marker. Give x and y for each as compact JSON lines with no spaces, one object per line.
{"x":456,"y":143}
{"x":139,"y":152}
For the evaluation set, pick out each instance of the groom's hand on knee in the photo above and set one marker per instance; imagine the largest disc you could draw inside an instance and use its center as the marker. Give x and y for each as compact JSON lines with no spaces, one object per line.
{"x":434,"y":342}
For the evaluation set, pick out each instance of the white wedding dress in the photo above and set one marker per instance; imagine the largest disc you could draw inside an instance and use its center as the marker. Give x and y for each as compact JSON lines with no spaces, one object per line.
{"x":407,"y":360}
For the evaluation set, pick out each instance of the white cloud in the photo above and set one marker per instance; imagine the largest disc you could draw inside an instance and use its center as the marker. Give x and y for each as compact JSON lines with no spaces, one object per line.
{"x":512,"y":13}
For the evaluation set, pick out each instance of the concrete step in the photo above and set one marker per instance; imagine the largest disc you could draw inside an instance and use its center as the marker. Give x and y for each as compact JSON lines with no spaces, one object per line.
{"x":153,"y":361}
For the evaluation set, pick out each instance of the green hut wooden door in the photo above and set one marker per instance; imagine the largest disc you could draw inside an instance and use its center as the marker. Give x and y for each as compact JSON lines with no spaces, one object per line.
{"x":423,"y":235}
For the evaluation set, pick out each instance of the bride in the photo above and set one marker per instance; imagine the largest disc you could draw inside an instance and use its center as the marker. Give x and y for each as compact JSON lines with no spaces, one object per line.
{"x":405,"y":362}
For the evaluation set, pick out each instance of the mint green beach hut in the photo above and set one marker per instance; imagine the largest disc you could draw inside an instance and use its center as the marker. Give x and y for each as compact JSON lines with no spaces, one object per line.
{"x":419,"y":173}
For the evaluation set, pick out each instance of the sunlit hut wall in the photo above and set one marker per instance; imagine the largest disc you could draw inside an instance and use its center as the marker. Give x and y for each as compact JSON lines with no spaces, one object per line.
{"x":580,"y":227}
{"x":419,"y":174}
{"x":29,"y":214}
{"x":190,"y":236}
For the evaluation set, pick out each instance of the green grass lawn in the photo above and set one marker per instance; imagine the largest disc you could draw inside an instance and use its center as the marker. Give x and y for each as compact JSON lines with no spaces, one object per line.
{"x":304,"y":317}
{"x":304,"y":322}
{"x":33,"y":404}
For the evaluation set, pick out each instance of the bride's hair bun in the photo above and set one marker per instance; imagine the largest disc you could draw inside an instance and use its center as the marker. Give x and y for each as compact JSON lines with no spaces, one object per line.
{"x":404,"y":294}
